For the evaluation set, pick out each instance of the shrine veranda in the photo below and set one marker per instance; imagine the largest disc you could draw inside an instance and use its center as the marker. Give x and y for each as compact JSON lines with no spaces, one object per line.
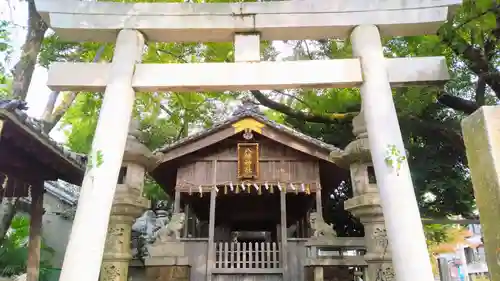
{"x":390,"y":201}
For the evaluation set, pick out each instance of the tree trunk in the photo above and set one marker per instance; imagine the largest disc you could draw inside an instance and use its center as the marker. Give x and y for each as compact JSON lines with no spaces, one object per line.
{"x":49,"y":107}
{"x":23,"y":72}
{"x":8,"y":209}
{"x":24,"y":68}
{"x":52,"y":116}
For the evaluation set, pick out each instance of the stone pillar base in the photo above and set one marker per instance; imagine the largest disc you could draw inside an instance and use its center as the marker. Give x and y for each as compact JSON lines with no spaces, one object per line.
{"x":168,"y":273}
{"x":168,"y":269}
{"x":378,"y":253}
{"x":167,"y":262}
{"x":382,"y":271}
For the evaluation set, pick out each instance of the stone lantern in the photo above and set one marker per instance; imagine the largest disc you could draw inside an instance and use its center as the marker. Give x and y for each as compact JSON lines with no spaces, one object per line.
{"x":366,"y":206}
{"x":128,"y":204}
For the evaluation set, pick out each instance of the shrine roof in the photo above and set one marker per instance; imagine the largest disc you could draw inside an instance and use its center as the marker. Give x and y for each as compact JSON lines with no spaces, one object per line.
{"x":15,"y":124}
{"x":249,"y":110}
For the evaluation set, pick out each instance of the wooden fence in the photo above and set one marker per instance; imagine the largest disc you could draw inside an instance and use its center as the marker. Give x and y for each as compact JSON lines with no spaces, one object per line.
{"x":254,"y":255}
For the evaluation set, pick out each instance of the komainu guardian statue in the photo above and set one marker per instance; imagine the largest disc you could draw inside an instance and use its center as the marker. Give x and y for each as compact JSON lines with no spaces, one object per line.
{"x":320,"y":227}
{"x":170,"y":231}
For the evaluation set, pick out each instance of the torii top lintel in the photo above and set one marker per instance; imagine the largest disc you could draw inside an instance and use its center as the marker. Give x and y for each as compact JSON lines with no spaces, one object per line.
{"x":218,"y":22}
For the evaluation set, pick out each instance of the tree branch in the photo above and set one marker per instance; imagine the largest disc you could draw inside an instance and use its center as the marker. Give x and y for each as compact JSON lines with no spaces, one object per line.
{"x":459,"y":104}
{"x":496,"y":31}
{"x":494,"y":9}
{"x":164,"y":108}
{"x":453,"y":136}
{"x":177,"y":56}
{"x":477,"y":60}
{"x":309,"y":54}
{"x":453,"y":102}
{"x":309,"y":117}
{"x":52,"y":116}
{"x":293,"y":97}
{"x":480,"y":92}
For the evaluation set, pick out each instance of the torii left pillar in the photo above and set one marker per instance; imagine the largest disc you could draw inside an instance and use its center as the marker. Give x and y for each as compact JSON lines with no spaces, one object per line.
{"x":128,"y":204}
{"x":85,"y":249}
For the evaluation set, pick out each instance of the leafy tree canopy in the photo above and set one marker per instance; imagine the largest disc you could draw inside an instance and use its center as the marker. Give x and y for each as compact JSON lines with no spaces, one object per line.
{"x":429,"y":116}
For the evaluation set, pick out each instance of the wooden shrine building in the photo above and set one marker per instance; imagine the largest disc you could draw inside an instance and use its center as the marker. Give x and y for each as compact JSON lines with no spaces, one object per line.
{"x":28,"y":158}
{"x":247,"y":187}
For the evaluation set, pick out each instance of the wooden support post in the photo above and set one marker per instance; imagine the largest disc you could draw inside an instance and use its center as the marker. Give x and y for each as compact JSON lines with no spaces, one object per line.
{"x":177,"y":201}
{"x":35,"y":238}
{"x":319,"y":203}
{"x":284,"y":246}
{"x":1,"y":128}
{"x":211,"y":226}
{"x":185,"y":231}
{"x":318,"y":273}
{"x":211,"y":231}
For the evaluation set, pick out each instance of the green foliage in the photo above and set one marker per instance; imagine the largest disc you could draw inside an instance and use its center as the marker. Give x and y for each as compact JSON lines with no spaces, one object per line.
{"x":14,"y":251}
{"x":5,"y":53}
{"x":436,"y":233}
{"x":95,"y":160}
{"x":153,"y":191}
{"x":80,"y":121}
{"x":394,"y":158}
{"x":5,"y":86}
{"x":5,"y":44}
{"x":431,"y":128}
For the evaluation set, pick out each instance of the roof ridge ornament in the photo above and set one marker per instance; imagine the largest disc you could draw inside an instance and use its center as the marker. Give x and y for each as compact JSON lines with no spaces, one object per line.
{"x":247,"y":106}
{"x":18,"y":107}
{"x":12,"y":104}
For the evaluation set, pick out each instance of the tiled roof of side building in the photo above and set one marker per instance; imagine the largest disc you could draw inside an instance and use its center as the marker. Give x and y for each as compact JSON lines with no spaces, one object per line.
{"x":14,"y":110}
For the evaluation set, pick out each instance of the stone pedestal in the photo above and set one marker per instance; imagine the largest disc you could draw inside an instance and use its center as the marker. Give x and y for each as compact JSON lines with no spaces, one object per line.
{"x":127,"y":206}
{"x":167,"y":262}
{"x":378,"y":254}
{"x":177,"y":272}
{"x":366,"y":205}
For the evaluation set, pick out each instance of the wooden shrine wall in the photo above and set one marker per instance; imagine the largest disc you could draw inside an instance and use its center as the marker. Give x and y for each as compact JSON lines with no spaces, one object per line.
{"x":277,"y":163}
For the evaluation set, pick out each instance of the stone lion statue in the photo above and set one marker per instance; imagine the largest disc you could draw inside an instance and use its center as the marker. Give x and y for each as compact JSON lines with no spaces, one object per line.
{"x":320,"y":227}
{"x":171,"y":230}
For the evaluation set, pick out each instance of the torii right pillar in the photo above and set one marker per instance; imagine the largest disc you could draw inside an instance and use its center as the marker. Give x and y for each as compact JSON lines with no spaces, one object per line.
{"x":405,"y":232}
{"x":481,"y":132}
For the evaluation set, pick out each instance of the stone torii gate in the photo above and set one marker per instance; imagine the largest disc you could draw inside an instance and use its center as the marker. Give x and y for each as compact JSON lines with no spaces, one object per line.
{"x":246,"y":24}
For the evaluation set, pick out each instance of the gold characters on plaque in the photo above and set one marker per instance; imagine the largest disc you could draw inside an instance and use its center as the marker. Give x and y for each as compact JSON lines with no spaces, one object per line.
{"x":248,"y":160}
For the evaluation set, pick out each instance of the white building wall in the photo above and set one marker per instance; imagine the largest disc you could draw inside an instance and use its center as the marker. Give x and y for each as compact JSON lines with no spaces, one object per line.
{"x":55,"y":229}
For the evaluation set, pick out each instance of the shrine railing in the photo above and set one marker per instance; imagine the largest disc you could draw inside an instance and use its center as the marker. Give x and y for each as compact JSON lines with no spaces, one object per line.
{"x":247,"y":255}
{"x":339,"y":251}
